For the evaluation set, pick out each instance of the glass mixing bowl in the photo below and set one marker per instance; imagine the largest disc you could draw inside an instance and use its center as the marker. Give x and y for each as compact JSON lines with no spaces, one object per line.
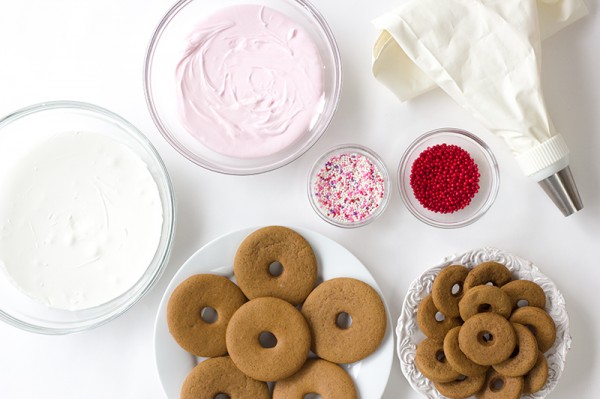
{"x":166,"y":49}
{"x":19,"y":132}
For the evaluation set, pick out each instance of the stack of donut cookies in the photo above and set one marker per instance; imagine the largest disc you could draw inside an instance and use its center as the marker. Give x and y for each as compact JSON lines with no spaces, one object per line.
{"x":486,"y":334}
{"x":264,"y":328}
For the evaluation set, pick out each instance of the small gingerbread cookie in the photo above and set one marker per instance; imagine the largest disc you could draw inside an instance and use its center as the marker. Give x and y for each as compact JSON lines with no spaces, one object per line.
{"x":524,"y":356}
{"x":352,"y":300}
{"x":488,"y":272}
{"x":275,"y":245}
{"x":431,"y":361}
{"x":218,"y":375}
{"x":487,"y":338}
{"x":461,"y":388}
{"x":525,"y":293}
{"x":432,"y":322}
{"x":539,"y":322}
{"x":317,"y":376}
{"x":457,"y":359}
{"x":497,"y":386}
{"x":273,"y":317}
{"x":537,"y":376}
{"x":199,"y":335}
{"x":447,"y":289}
{"x":485,"y":298}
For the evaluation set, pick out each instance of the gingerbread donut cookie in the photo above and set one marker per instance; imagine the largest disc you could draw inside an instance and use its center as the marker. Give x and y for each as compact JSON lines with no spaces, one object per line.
{"x":539,"y":322}
{"x":497,"y":386}
{"x":524,"y":355}
{"x":447,"y":289}
{"x":275,"y":245}
{"x":340,"y":297}
{"x":525,"y":291}
{"x":487,"y":338}
{"x":488,"y":272}
{"x":461,"y":388}
{"x":485,"y":298}
{"x":317,"y":376}
{"x":185,"y":308}
{"x":431,"y":361}
{"x":219,"y":375}
{"x":284,"y":322}
{"x":434,"y":326}
{"x":457,"y":359}
{"x":537,"y":376}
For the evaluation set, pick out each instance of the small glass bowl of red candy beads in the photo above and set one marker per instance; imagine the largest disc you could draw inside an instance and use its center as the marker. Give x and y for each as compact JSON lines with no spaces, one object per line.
{"x":448,"y":178}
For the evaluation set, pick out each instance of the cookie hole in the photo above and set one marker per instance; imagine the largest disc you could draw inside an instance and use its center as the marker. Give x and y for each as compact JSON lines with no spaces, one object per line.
{"x":457,"y":289}
{"x":222,"y":396}
{"x":515,"y":352}
{"x":267,"y":340}
{"x":532,"y":329}
{"x":522,"y":302}
{"x":343,"y":320}
{"x":484,"y":307}
{"x":461,"y":378}
{"x":439,"y":316}
{"x":312,"y":395}
{"x":485,"y":338}
{"x":496,"y":384}
{"x":490,"y":283}
{"x":440,"y":356}
{"x":275,"y":269}
{"x":209,"y":315}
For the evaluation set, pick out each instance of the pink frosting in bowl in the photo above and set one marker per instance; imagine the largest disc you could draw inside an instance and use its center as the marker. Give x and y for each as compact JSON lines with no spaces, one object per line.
{"x":242,"y":87}
{"x":250,"y":82}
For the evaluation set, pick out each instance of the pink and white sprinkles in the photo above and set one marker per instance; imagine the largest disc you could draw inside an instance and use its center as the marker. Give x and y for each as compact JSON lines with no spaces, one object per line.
{"x":349,"y":188}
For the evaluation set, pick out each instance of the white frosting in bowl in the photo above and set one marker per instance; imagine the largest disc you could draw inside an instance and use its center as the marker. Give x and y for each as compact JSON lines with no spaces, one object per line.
{"x":80,"y":220}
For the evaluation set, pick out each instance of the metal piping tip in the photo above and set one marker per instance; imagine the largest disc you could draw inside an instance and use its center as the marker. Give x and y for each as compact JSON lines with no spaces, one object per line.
{"x":562,"y":190}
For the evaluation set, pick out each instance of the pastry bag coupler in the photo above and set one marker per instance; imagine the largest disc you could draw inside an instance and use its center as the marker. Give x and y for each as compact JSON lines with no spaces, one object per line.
{"x":486,"y":55}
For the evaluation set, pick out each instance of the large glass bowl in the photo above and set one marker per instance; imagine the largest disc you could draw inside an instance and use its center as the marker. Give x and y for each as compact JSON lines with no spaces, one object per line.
{"x":22,"y":129}
{"x":166,"y":49}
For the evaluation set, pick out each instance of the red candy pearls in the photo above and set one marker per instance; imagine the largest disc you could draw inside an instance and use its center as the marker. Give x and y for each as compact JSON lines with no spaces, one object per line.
{"x":444,"y":178}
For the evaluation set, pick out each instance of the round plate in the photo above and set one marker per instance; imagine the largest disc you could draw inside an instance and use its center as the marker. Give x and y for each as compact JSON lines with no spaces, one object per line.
{"x":409,"y":335}
{"x":370,"y":375}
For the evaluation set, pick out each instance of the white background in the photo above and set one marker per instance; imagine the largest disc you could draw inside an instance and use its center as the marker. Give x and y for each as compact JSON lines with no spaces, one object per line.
{"x":93,"y":51}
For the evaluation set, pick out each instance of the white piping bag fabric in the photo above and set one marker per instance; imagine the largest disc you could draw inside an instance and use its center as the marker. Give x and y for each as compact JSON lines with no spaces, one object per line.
{"x":486,"y":54}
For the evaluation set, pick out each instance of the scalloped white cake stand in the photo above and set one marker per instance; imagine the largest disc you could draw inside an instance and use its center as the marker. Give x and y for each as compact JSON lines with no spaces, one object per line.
{"x":409,"y":335}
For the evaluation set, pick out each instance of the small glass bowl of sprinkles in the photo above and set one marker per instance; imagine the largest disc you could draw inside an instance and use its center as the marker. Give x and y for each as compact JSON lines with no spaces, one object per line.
{"x":349,"y":186}
{"x":448,"y":178}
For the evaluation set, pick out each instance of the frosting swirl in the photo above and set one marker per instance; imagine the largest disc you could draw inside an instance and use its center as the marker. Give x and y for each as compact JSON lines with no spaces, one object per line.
{"x":250,"y":82}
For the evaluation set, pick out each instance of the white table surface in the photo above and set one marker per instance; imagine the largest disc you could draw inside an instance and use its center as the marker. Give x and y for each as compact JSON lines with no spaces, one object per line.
{"x":93,"y":51}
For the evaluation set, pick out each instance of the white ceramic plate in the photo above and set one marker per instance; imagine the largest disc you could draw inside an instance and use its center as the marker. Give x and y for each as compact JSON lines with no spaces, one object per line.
{"x":409,"y":335}
{"x":370,"y":375}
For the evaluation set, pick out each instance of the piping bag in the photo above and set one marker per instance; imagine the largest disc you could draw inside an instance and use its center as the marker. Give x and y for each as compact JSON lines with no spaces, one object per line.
{"x":485,"y":54}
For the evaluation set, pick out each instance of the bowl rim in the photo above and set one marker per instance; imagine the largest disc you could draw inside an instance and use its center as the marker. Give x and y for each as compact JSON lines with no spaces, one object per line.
{"x":161,"y":257}
{"x":491,"y":162}
{"x":337,"y":83}
{"x":375,"y":159}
